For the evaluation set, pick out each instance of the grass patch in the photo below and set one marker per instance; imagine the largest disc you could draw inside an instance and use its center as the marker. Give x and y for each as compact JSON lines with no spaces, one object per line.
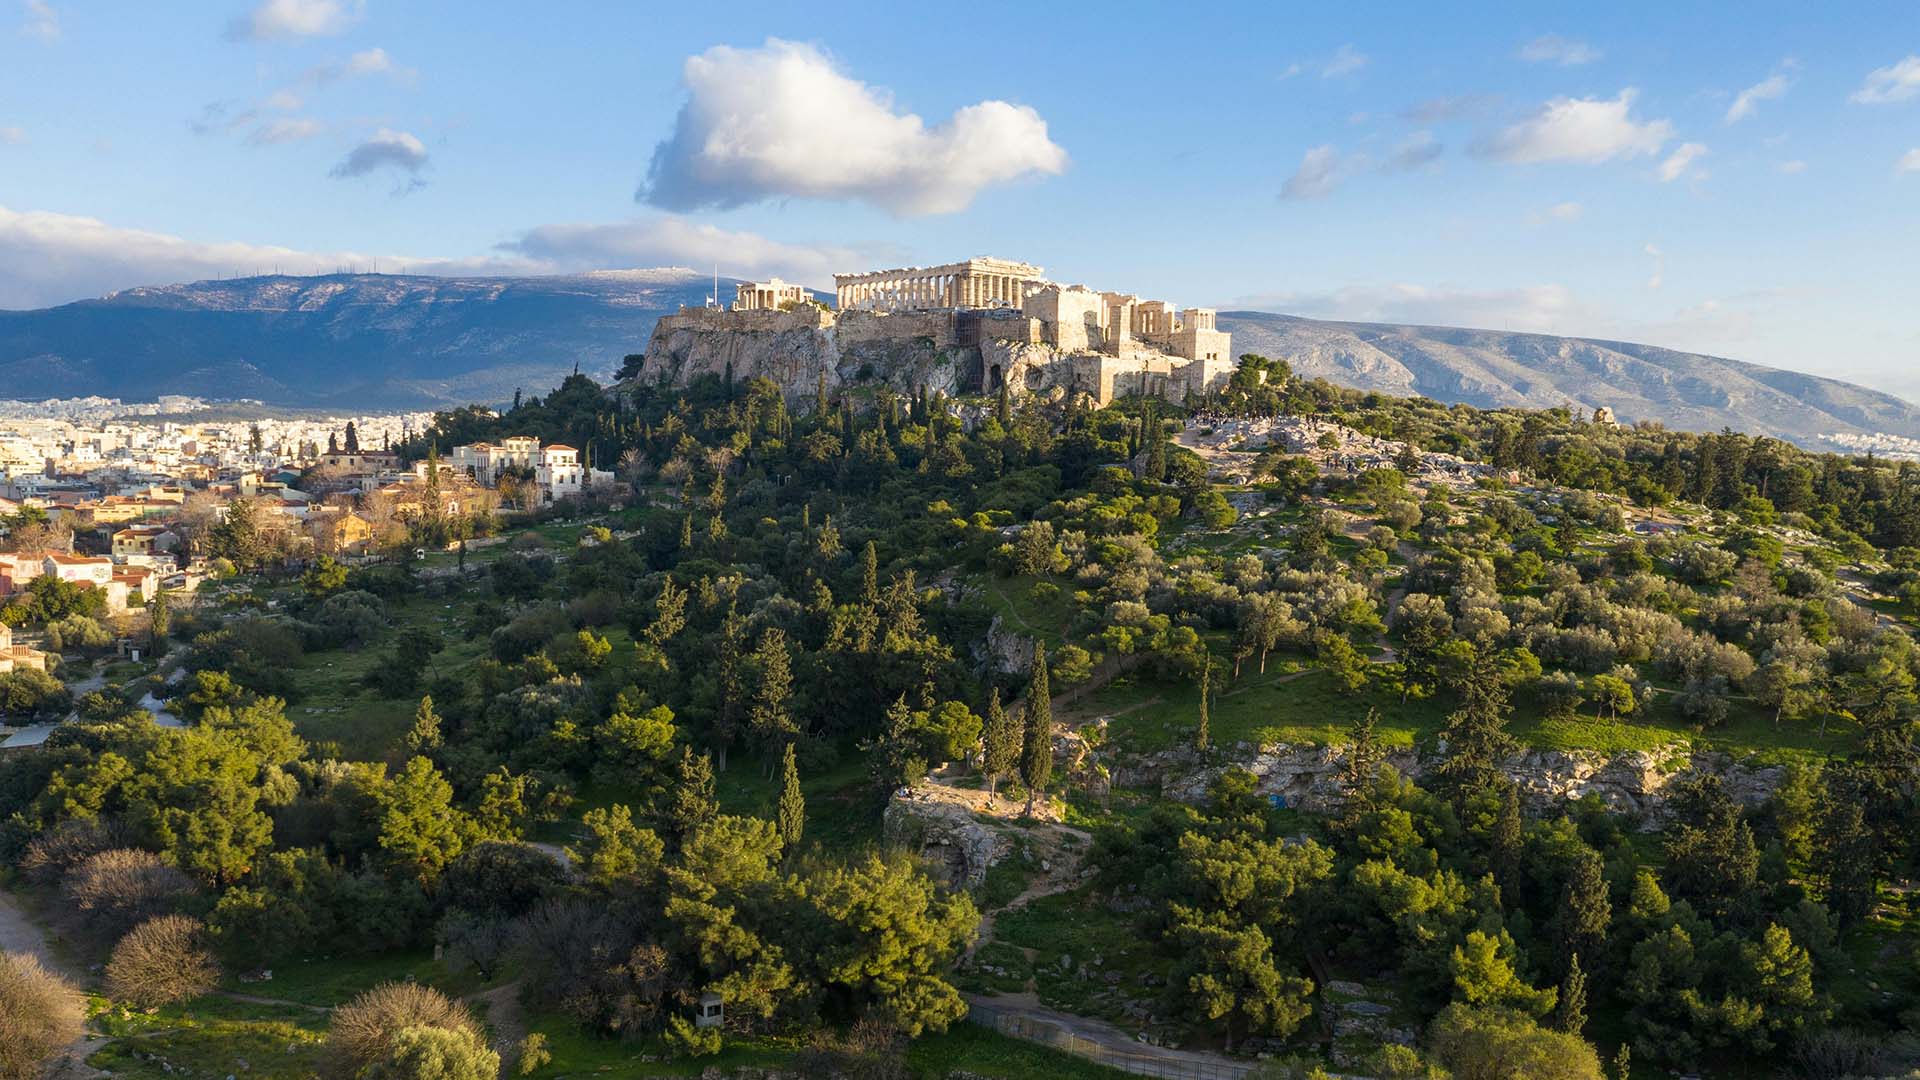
{"x":1057,"y":937}
{"x":1021,"y":612}
{"x":329,"y":982}
{"x":211,"y":1037}
{"x":985,"y":1052}
{"x":577,"y":1052}
{"x":1279,"y":706}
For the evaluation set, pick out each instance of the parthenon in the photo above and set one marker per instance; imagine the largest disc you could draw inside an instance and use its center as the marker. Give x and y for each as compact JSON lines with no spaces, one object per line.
{"x":975,"y":283}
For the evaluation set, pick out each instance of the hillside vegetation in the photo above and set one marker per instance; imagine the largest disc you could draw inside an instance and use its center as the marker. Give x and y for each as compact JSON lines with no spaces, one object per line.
{"x":643,"y":750}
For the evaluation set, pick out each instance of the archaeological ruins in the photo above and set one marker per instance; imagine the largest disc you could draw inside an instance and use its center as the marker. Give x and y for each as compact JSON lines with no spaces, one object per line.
{"x":963,"y":327}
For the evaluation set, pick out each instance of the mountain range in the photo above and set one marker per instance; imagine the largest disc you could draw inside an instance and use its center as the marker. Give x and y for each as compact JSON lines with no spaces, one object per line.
{"x":379,"y":341}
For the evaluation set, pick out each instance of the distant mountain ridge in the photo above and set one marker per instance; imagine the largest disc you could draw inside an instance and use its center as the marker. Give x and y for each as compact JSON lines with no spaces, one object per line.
{"x":367,"y":340}
{"x":1495,"y":369}
{"x":400,"y":341}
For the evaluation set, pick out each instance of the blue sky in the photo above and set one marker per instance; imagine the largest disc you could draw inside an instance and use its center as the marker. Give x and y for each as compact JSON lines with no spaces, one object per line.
{"x":1740,"y":180}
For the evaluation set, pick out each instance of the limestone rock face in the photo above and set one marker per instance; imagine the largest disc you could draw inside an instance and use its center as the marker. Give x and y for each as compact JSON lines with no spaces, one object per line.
{"x":796,"y":349}
{"x":947,"y":834}
{"x":1005,"y":651}
{"x":1635,"y":782}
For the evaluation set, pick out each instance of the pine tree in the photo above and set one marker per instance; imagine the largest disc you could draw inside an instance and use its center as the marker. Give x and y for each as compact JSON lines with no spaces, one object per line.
{"x":1623,"y":1063}
{"x":771,"y":715}
{"x":425,"y":733}
{"x":160,"y":621}
{"x":692,"y":800}
{"x":870,"y":575}
{"x":1036,"y":752}
{"x":1571,"y":1016}
{"x":1476,"y":732}
{"x":1586,"y":909}
{"x":1201,"y":737}
{"x":793,"y":805}
{"x":895,"y":762}
{"x":1000,"y":743}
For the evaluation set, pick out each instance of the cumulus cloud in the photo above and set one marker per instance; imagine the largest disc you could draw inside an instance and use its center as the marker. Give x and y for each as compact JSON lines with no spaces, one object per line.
{"x":387,"y":149}
{"x":49,"y":258}
{"x":1771,"y":88}
{"x":1345,"y":61}
{"x":1792,"y":168}
{"x":1680,"y":162}
{"x":1532,"y":307}
{"x":273,"y":20}
{"x":1897,"y":82}
{"x":13,"y":135}
{"x":42,"y":21}
{"x":783,"y":120}
{"x":1320,"y":173}
{"x":1909,"y":161}
{"x":669,"y":240}
{"x":1554,"y":49}
{"x":1418,"y":149}
{"x":286,"y":130}
{"x":1590,"y":130}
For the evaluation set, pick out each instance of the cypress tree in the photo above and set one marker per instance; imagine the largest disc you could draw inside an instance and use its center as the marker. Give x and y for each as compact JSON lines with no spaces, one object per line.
{"x":1572,"y":1014}
{"x":1036,"y":755}
{"x":1003,"y":407}
{"x":1000,"y":743}
{"x":1201,"y":737}
{"x":793,"y":805}
{"x":870,"y":575}
{"x":692,"y":800}
{"x":1586,"y":909}
{"x":1476,"y":732}
{"x":425,"y":733}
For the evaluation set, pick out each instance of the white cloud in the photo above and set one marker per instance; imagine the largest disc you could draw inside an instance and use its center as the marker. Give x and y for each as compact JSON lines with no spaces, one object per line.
{"x":1591,"y":130}
{"x":284,"y":100}
{"x":285,"y":130}
{"x":1321,"y":171}
{"x":782,"y":120}
{"x":49,"y":258}
{"x":1561,"y":211}
{"x":1889,"y":84}
{"x":42,"y":21}
{"x":1554,"y":49}
{"x":1659,"y":276}
{"x":1771,"y":88}
{"x":669,"y":240}
{"x":13,"y":136}
{"x":1345,"y":61}
{"x":387,"y":149}
{"x":1418,"y":149}
{"x":1680,"y":162}
{"x":1533,"y":308}
{"x":1909,"y":161}
{"x":273,"y":20}
{"x":1452,"y":107}
{"x":1792,"y":168}
{"x":363,"y":63}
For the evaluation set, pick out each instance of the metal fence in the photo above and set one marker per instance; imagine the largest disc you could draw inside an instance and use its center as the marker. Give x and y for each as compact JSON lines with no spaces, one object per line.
{"x":1144,"y":1062}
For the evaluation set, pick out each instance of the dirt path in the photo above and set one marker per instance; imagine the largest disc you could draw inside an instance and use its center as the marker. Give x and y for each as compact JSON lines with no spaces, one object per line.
{"x":500,"y":1007}
{"x":1020,"y":1015}
{"x":20,"y":934}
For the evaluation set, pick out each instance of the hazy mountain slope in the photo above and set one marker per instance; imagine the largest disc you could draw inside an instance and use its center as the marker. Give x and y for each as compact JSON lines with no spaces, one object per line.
{"x":374,"y":340}
{"x":1640,"y":382}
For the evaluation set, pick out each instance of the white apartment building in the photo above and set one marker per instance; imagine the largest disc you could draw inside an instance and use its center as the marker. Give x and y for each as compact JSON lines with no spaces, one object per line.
{"x":555,"y":468}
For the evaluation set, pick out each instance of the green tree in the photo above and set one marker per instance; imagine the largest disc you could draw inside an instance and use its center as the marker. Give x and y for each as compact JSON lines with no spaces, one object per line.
{"x":613,"y":849}
{"x":1570,"y":1015}
{"x":436,"y":1053}
{"x":425,"y":736}
{"x":420,"y":828}
{"x":324,"y":578}
{"x":1500,"y":1044}
{"x":692,"y":801}
{"x":159,"y":622}
{"x":891,"y":934}
{"x":1228,"y":973}
{"x":1000,"y":743}
{"x":1476,"y":732}
{"x":1484,"y":977}
{"x":771,"y":716}
{"x":1036,"y":748}
{"x":1202,"y":738}
{"x":793,"y":804}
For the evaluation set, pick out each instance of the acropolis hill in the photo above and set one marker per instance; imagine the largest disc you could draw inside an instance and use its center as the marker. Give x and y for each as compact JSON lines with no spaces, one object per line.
{"x":964,"y":327}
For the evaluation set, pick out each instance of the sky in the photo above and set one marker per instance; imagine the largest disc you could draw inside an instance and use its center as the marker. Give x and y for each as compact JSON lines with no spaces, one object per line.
{"x":1740,"y":180}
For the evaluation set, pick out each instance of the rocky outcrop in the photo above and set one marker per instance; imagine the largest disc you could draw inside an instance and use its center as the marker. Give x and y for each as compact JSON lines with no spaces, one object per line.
{"x":799,"y":349}
{"x":946,"y":834}
{"x":1634,"y":782}
{"x":1004,"y":651}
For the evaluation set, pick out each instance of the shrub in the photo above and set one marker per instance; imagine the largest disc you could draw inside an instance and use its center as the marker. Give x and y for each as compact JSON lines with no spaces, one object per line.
{"x":684,"y":1040}
{"x":114,"y":891}
{"x":436,"y":1053}
{"x":40,"y":1014}
{"x":52,"y":854}
{"x":161,"y":961}
{"x":533,"y":1054}
{"x":365,"y":1030}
